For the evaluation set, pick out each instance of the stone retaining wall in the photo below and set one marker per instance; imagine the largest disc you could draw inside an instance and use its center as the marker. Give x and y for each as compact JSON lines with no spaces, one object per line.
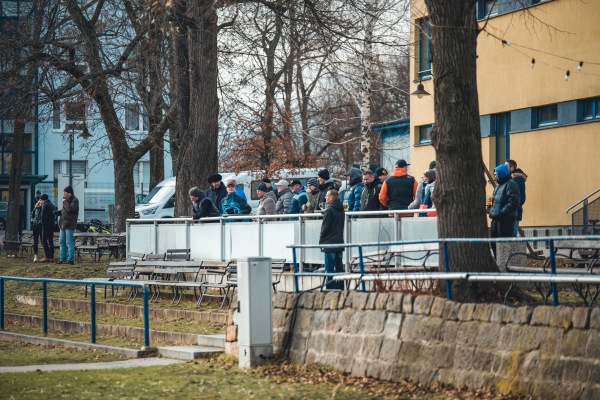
{"x":541,"y":351}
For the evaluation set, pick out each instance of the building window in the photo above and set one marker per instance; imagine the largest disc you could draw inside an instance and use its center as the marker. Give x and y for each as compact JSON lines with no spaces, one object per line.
{"x":132,"y":117}
{"x":61,"y":167}
{"x":590,"y":109}
{"x":56,"y":115}
{"x":487,"y":8}
{"x":425,"y":134}
{"x":547,"y":115}
{"x":424,"y":43}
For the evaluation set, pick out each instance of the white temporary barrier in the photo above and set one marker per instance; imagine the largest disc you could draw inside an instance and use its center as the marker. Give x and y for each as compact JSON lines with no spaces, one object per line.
{"x":264,"y":236}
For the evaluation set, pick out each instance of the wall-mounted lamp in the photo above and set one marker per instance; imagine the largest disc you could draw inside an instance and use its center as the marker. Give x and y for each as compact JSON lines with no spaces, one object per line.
{"x":420,"y":92}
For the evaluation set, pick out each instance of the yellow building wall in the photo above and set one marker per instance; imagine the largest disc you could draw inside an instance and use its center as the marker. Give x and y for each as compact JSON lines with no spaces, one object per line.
{"x":561,"y":162}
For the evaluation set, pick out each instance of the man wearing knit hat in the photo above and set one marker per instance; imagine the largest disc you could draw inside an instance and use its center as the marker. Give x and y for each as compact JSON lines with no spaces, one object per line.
{"x":312,"y":195}
{"x":267,"y":200}
{"x":217,"y":191}
{"x":325,"y":183}
{"x":67,"y":224}
{"x":202,"y":205}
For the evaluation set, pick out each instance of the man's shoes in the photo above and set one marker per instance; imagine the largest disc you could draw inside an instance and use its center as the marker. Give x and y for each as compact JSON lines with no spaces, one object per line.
{"x":61,"y":262}
{"x":70,"y":262}
{"x":45,"y":260}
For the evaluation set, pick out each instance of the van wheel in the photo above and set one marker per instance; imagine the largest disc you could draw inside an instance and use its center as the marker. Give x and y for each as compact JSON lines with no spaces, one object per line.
{"x":2,"y":224}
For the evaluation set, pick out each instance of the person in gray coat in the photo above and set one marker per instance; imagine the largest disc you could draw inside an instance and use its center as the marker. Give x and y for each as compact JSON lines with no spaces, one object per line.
{"x":266,"y":204}
{"x":285,"y":197}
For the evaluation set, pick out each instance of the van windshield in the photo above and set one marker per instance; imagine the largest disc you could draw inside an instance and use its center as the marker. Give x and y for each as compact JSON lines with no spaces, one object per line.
{"x":157,"y":195}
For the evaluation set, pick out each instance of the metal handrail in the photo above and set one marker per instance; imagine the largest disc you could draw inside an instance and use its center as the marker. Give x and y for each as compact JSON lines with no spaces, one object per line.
{"x":447,"y":275}
{"x":93,"y":284}
{"x":582,"y":200}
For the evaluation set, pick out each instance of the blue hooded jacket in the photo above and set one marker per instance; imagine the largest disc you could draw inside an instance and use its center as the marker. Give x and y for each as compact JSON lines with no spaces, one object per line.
{"x":506,"y":196}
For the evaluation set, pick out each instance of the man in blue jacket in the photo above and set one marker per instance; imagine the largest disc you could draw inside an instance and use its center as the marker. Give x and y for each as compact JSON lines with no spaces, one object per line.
{"x":299,"y":197}
{"x":505,"y":202}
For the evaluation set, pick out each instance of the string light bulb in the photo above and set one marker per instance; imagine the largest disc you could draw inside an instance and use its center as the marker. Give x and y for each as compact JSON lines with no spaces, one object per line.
{"x":532,"y":63}
{"x":505,"y":42}
{"x":580,"y":66}
{"x":567,"y":75}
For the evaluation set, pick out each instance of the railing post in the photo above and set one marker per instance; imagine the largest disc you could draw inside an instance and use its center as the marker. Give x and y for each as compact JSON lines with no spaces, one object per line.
{"x":361,"y":267}
{"x":1,"y":304}
{"x":553,"y":269}
{"x":93,"y":310}
{"x":296,"y":288}
{"x":146,"y":318}
{"x":447,"y":269}
{"x":45,"y":307}
{"x":585,"y":217}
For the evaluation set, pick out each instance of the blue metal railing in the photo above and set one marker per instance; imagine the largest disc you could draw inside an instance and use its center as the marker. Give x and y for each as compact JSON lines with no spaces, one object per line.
{"x":447,"y":275}
{"x":92,"y":284}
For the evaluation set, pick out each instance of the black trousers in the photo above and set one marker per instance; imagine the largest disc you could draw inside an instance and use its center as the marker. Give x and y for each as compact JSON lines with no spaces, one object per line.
{"x":501,"y":227}
{"x":37,"y":235}
{"x":48,"y":241}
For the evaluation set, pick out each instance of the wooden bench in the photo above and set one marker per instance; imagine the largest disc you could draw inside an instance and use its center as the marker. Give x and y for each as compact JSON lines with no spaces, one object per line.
{"x":578,"y":256}
{"x":217,"y":277}
{"x":92,"y":243}
{"x":399,"y":258}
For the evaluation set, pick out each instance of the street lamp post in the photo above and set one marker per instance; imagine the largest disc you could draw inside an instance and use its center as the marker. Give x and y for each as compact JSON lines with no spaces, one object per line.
{"x":85,"y":134}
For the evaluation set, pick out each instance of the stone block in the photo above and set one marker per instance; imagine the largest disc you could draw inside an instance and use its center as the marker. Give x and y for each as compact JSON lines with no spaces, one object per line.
{"x":422,"y":304}
{"x":488,"y":335}
{"x":482,"y":312}
{"x":344,"y":319}
{"x":523,"y":315}
{"x":373,"y":370}
{"x":303,"y":321}
{"x":576,"y":371}
{"x":389,"y":350}
{"x":562,"y":317}
{"x":574,"y":343}
{"x":359,"y":300}
{"x":280,"y":318}
{"x":232,"y":348}
{"x":467,"y":333}
{"x":279,"y":299}
{"x":466,"y":311}
{"x":505,"y":250}
{"x":541,"y":315}
{"x":580,"y":317}
{"x":345,"y":300}
{"x":528,"y":338}
{"x":319,"y":298}
{"x":373,"y":322}
{"x":393,"y":325}
{"x":593,"y":346}
{"x":411,"y":328}
{"x":331,"y":300}
{"x":371,"y":301}
{"x":451,"y":309}
{"x":499,"y":312}
{"x":231,"y":334}
{"x":292,"y":299}
{"x":595,"y":319}
{"x":407,"y":304}
{"x":394,"y":302}
{"x":437,"y":308}
{"x":450,"y":331}
{"x":302,"y":300}
{"x":381,"y":301}
{"x":371,"y":347}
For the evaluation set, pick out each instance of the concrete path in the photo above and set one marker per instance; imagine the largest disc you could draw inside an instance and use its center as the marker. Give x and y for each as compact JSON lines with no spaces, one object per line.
{"x":133,"y":363}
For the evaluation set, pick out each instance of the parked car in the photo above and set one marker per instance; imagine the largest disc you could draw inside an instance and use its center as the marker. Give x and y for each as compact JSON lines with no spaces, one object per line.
{"x":3,"y":214}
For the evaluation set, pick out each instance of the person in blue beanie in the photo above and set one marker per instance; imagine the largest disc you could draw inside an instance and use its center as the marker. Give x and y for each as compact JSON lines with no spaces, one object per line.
{"x":506,"y":199}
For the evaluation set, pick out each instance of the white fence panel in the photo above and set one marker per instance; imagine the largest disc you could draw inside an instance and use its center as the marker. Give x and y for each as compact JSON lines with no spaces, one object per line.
{"x":241,"y":240}
{"x":205,"y":241}
{"x":276,"y":237}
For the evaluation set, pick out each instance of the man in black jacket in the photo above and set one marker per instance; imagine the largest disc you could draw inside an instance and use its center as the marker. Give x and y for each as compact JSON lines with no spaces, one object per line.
{"x":369,"y":196}
{"x":36,"y":224}
{"x":332,"y":232}
{"x":202,"y":205}
{"x":519,"y":177}
{"x":218,"y":191}
{"x":505,"y":202}
{"x":47,"y":219}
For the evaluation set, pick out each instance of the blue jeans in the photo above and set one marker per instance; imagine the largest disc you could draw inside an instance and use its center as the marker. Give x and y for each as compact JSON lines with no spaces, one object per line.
{"x":333,"y":264}
{"x":67,"y":239}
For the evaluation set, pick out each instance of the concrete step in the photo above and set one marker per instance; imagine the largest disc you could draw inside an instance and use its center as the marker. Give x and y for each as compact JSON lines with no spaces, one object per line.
{"x":188,"y":352}
{"x":212,"y":340}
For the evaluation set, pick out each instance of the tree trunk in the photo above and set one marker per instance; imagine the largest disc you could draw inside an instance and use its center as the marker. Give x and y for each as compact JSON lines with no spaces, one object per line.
{"x":365,"y":108}
{"x":460,"y":189}
{"x":198,"y":153}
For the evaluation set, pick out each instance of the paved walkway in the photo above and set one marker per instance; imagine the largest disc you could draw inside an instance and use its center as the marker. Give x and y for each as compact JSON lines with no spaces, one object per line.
{"x":133,"y":363}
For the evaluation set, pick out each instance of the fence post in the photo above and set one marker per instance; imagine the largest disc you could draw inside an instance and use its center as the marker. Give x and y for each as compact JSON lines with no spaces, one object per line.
{"x":296,"y":289}
{"x":93,"y":311}
{"x":447,"y":269}
{"x":362,"y":269}
{"x":553,"y":268}
{"x":1,"y":304}
{"x":45,"y":307}
{"x":146,"y":318}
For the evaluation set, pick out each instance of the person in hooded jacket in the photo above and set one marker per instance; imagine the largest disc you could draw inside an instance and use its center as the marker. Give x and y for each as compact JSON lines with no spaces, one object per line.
{"x":325,"y":183}
{"x":203,"y":206}
{"x":520,"y":178}
{"x":332,"y":232}
{"x":233,"y":204}
{"x":267,"y":200}
{"x":312,"y":195}
{"x":36,"y":224}
{"x":506,"y":199}
{"x":352,"y":200}
{"x":47,"y":218}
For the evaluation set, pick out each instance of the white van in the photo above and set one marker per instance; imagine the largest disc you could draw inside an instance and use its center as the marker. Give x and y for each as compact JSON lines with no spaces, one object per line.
{"x":160,"y":202}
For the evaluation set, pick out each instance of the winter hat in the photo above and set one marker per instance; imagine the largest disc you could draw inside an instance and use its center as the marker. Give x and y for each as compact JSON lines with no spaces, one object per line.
{"x":196,"y":191}
{"x":282,"y":182}
{"x":266,"y":180}
{"x":380,"y":171}
{"x":214,"y":178}
{"x":323,"y":174}
{"x":401,"y":163}
{"x":432,"y":164}
{"x":230,"y":181}
{"x":430,"y":174}
{"x":502,"y":171}
{"x":68,"y":189}
{"x":355,"y":175}
{"x":262,"y":187}
{"x":313,"y":181}
{"x":44,"y":197}
{"x":296,"y":182}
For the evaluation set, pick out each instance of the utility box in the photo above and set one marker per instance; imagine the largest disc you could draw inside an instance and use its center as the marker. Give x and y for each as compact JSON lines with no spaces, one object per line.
{"x":255,"y":315}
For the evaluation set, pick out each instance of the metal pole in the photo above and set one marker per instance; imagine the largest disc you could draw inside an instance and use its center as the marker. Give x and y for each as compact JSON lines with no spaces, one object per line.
{"x":361,"y":266}
{"x":1,"y":304}
{"x":45,"y":307}
{"x":296,"y":289}
{"x":553,"y":267}
{"x":446,"y":270}
{"x":146,"y":318}
{"x":93,"y":311}
{"x":71,"y":149}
